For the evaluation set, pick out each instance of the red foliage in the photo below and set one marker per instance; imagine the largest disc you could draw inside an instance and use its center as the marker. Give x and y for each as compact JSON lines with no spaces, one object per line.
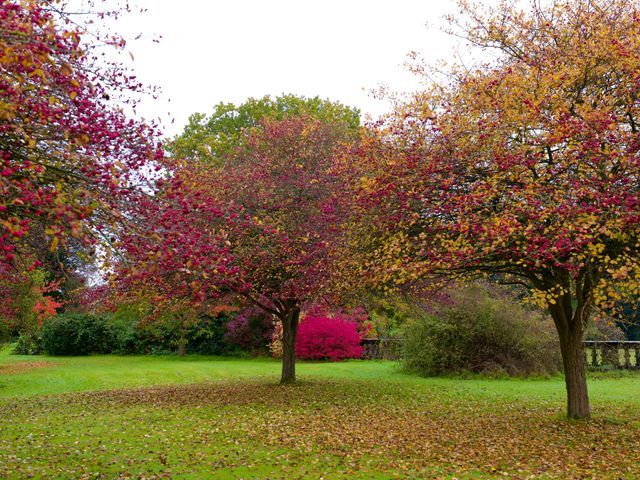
{"x":67,"y":156}
{"x":261,"y":226}
{"x":251,"y":329}
{"x":46,"y":308}
{"x":321,"y":337}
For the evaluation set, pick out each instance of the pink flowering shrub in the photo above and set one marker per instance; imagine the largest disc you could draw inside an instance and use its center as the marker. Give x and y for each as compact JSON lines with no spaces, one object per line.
{"x":324,"y":338}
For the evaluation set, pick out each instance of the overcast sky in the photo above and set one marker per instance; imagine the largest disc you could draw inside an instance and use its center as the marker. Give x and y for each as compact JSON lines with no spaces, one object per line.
{"x":227,"y":51}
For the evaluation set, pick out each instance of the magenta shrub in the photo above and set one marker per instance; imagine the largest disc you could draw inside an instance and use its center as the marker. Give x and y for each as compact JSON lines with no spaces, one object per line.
{"x":325,"y":338}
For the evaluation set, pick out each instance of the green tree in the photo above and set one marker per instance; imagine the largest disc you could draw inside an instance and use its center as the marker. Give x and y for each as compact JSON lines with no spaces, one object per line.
{"x":214,"y":137}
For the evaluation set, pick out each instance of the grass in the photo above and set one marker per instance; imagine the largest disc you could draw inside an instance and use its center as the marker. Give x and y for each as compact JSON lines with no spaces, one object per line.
{"x":208,"y":417}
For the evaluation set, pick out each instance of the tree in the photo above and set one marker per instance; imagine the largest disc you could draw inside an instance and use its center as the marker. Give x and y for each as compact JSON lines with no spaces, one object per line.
{"x":525,"y":169}
{"x":261,"y":225}
{"x":67,"y":155}
{"x":214,"y":137}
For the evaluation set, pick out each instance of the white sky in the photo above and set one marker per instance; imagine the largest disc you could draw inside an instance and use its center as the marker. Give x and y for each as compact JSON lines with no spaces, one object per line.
{"x":215,"y":51}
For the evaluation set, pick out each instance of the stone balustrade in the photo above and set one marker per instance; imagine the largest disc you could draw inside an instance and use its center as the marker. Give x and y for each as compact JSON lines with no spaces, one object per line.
{"x":612,"y":353}
{"x":598,"y":353}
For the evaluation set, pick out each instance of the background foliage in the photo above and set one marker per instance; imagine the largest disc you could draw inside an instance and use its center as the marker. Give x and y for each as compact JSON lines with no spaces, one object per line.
{"x":481,"y":330}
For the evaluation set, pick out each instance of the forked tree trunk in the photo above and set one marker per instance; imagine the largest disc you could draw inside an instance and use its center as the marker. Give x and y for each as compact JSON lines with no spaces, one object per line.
{"x":289,"y":334}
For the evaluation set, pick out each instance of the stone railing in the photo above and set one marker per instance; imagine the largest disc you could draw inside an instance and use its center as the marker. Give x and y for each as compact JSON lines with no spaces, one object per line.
{"x":612,"y":353}
{"x":598,"y":353}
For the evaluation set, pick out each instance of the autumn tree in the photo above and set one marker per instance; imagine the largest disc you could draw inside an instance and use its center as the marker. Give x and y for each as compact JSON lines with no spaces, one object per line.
{"x":261,"y":225}
{"x":525,"y":168}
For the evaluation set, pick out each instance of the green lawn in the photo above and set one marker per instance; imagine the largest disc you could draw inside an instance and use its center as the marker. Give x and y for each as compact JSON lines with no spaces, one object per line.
{"x":208,"y":417}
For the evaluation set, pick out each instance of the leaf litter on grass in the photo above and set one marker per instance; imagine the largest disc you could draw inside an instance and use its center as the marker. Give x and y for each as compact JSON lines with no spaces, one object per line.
{"x":22,"y":367}
{"x":336,"y":429}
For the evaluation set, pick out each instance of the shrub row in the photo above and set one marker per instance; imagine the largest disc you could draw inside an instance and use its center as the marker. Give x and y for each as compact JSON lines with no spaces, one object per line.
{"x":83,"y":334}
{"x":478,"y":329}
{"x":319,"y":337}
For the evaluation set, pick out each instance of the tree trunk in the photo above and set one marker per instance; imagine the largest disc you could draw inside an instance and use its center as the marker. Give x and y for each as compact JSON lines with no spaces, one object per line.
{"x":182,"y":346}
{"x":574,"y":374}
{"x":570,"y":325}
{"x":289,"y":334}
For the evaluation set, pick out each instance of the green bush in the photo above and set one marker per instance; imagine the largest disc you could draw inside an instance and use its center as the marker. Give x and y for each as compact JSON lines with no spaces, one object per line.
{"x":199,"y":333}
{"x":203,"y":335}
{"x":481,"y":330}
{"x":207,"y":336}
{"x":28,"y":344}
{"x":77,"y":334}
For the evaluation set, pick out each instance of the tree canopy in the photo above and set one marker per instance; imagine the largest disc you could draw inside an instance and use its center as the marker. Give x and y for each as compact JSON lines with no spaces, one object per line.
{"x":66,"y":153}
